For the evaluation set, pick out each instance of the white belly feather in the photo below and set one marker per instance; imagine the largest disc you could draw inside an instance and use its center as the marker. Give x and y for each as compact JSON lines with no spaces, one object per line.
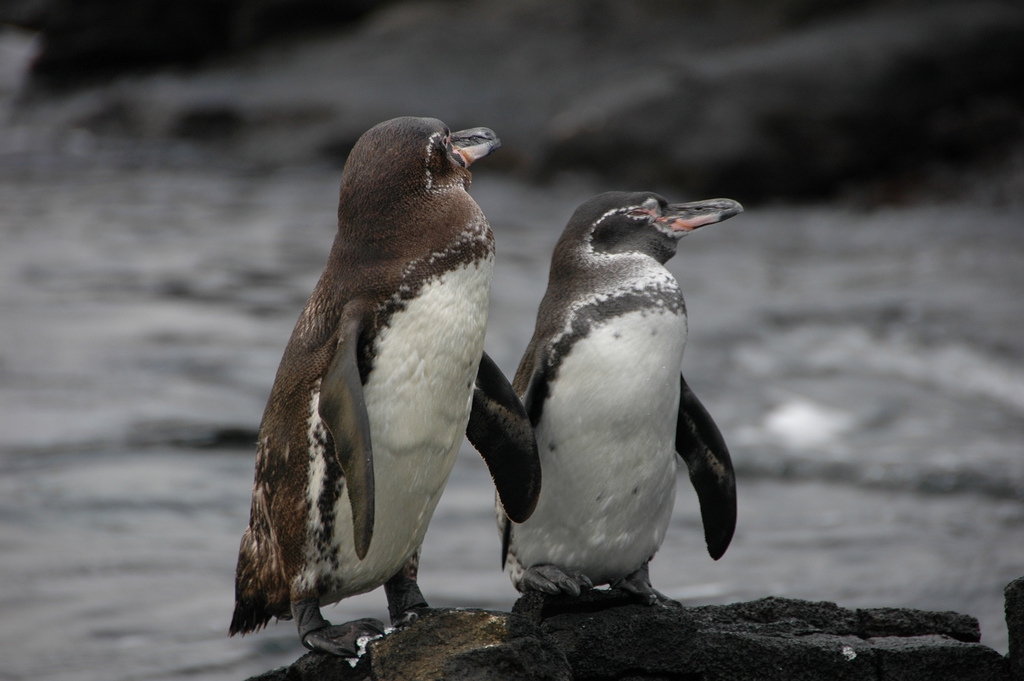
{"x":607,"y":448}
{"x":418,"y":399}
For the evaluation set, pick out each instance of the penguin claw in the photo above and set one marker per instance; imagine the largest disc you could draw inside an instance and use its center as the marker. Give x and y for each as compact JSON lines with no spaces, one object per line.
{"x":555,"y":580}
{"x":638,"y":585}
{"x":649,"y":596}
{"x":343,"y":639}
{"x":663,"y":601}
{"x":408,"y":617}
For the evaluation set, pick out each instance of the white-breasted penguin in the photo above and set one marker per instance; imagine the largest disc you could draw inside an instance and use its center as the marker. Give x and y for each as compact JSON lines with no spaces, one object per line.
{"x":382,"y":376}
{"x":601,"y":384}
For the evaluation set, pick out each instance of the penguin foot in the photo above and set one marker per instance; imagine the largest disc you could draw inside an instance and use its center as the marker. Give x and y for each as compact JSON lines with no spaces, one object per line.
{"x":343,"y":639}
{"x":638,"y":585}
{"x":554,"y":580}
{"x":316,"y":633}
{"x":649,"y":596}
{"x":405,"y":600}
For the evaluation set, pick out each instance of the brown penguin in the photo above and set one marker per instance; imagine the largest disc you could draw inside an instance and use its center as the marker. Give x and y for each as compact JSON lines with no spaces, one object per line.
{"x":383,"y":374}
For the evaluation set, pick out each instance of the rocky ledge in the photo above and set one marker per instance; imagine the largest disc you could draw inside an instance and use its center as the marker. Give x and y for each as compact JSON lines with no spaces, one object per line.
{"x":605,"y":636}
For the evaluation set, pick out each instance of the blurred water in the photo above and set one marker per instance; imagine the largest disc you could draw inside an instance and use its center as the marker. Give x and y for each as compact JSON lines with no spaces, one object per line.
{"x":865,"y":368}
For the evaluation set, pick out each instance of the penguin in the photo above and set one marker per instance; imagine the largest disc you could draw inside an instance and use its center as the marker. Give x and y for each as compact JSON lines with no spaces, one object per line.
{"x":383,"y":374}
{"x":601,"y":384}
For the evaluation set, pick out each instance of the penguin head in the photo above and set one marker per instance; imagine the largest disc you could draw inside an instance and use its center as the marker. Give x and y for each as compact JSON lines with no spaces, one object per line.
{"x":642,"y":222}
{"x":409,"y":157}
{"x":403,"y":188}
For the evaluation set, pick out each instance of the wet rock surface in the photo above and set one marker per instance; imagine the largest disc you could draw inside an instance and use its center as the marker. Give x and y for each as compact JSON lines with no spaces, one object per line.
{"x":605,"y":635}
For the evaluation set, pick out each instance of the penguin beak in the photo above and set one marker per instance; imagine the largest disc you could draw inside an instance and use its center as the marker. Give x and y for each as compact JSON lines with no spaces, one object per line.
{"x":473,"y":144}
{"x":686,"y":217}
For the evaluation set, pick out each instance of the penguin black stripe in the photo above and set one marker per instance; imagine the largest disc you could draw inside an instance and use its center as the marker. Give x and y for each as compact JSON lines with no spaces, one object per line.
{"x":594,"y":314}
{"x":471,"y":248}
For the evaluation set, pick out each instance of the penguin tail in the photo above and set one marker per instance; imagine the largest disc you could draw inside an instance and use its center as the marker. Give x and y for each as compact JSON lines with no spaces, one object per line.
{"x":259,"y":595}
{"x":249,"y":616}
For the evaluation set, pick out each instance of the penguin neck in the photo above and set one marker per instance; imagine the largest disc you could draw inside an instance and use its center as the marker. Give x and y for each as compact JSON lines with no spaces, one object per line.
{"x":587,"y":287}
{"x":606,"y":272}
{"x":649,"y":241}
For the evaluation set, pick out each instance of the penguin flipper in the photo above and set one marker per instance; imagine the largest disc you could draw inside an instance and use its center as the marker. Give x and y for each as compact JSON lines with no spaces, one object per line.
{"x":500,"y":430}
{"x":343,"y":411}
{"x":533,"y":377}
{"x":700,"y":444}
{"x":505,"y":530}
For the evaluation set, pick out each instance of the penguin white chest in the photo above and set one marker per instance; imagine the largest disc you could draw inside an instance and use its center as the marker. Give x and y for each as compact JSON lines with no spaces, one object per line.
{"x":607,"y":446}
{"x":418,"y":394}
{"x":418,"y":398}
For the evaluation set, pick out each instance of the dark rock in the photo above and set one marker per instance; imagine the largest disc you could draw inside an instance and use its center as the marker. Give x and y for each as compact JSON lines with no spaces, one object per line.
{"x":320,"y":667}
{"x":1015,"y":625}
{"x":98,"y":38}
{"x":110,"y":36}
{"x":930,"y":658}
{"x":604,"y":635}
{"x":468,"y":644}
{"x":791,"y":117}
{"x":877,"y":622}
{"x":463,"y":645}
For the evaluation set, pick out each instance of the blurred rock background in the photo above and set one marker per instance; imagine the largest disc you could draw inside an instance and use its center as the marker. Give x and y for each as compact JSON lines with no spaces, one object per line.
{"x":766,"y":100}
